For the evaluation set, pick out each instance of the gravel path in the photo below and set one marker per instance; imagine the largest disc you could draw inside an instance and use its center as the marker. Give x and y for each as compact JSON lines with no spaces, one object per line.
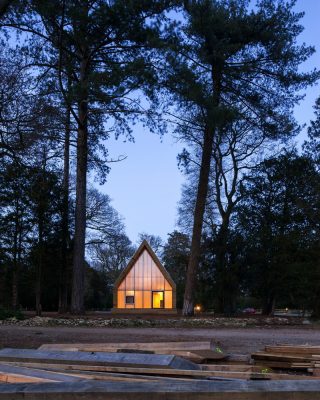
{"x":242,"y":340}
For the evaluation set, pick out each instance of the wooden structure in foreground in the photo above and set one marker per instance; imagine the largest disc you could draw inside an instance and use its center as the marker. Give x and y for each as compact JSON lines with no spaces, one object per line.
{"x":144,"y":286}
{"x":164,"y":370}
{"x":197,"y":390}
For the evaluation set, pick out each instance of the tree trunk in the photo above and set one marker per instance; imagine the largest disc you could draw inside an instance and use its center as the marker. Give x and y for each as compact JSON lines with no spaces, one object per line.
{"x":39,"y":270}
{"x":316,"y":304}
{"x":15,"y":289}
{"x":202,"y":191}
{"x":269,"y":305}
{"x":225,"y":279}
{"x":188,"y":303}
{"x":220,"y":272}
{"x":63,"y":285}
{"x":15,"y":262}
{"x":77,"y":301}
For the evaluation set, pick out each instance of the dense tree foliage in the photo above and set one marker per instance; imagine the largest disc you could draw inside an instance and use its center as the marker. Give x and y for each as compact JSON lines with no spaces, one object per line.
{"x":232,"y":63}
{"x":226,"y":76}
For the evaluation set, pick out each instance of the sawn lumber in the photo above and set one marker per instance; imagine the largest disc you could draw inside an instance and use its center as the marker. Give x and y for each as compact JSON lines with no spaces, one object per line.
{"x":122,"y":359}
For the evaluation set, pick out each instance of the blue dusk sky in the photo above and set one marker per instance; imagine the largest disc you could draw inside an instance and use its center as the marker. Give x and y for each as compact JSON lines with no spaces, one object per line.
{"x":145,"y":188}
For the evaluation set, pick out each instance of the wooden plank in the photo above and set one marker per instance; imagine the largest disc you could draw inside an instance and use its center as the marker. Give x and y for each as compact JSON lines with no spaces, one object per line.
{"x":207,"y":354}
{"x":204,"y":374}
{"x":195,"y":351}
{"x":75,"y":373}
{"x":102,"y":376}
{"x":230,"y":367}
{"x":238,"y":358}
{"x":302,"y":365}
{"x":112,"y":377}
{"x":316,"y":372}
{"x":122,"y":369}
{"x":282,"y":365}
{"x":288,"y":349}
{"x":280,"y":357}
{"x":189,"y":355}
{"x":6,"y":377}
{"x":15,"y":374}
{"x":197,"y":390}
{"x":122,"y":359}
{"x":113,"y":347}
{"x":236,"y":367}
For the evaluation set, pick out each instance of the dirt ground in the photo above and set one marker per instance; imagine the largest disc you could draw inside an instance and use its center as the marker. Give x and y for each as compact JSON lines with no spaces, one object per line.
{"x":241,"y":341}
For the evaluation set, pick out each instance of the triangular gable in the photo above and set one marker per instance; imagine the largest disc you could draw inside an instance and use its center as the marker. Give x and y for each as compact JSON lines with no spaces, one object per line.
{"x":144,"y":246}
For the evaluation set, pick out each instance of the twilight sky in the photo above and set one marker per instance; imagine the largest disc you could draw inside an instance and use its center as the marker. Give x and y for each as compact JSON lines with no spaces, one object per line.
{"x":145,"y":187}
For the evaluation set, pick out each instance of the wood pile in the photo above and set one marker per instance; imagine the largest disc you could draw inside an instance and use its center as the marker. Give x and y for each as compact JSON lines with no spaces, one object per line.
{"x":137,"y":362}
{"x":288,"y":357}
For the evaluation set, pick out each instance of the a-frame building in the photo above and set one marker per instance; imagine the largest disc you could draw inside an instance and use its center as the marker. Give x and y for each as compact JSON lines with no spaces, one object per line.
{"x":144,"y":286}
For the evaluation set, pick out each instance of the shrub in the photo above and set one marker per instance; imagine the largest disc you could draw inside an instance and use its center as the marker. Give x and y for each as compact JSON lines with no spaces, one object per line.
{"x":6,"y":313}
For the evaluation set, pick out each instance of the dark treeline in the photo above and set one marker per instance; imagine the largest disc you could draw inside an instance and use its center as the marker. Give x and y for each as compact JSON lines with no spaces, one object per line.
{"x":219,"y":75}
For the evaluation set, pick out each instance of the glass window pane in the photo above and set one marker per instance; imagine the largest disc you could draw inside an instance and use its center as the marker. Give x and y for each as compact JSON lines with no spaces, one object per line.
{"x":158,"y":283}
{"x":147,"y":283}
{"x":130,"y":281}
{"x":167,"y":285}
{"x":138,"y":299}
{"x":129,"y":299}
{"x":147,"y":299}
{"x":158,"y":299}
{"x":168,"y":299}
{"x":138,"y":283}
{"x":121,"y":295}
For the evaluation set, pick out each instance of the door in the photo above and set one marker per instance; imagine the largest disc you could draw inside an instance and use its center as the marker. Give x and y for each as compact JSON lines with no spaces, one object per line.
{"x":158,"y":299}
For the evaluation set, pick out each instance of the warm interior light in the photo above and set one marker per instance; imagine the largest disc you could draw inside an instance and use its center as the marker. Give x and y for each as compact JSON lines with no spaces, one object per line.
{"x":146,"y":283}
{"x":197,"y":308}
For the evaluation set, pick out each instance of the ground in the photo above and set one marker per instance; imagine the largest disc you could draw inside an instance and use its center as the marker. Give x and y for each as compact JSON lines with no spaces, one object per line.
{"x":239,"y":340}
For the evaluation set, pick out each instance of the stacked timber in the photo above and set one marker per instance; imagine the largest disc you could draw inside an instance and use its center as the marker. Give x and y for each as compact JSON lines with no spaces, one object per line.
{"x":155,"y":362}
{"x":197,"y":352}
{"x":300,"y":357}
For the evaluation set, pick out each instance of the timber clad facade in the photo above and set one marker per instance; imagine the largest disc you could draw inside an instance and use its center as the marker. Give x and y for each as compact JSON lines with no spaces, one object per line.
{"x":144,"y":286}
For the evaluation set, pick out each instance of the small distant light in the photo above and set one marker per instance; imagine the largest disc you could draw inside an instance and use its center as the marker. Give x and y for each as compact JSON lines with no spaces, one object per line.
{"x":287,"y":309}
{"x":197,"y":308}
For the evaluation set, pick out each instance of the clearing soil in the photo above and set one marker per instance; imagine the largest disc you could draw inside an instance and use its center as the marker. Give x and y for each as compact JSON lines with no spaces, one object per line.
{"x":240,"y":340}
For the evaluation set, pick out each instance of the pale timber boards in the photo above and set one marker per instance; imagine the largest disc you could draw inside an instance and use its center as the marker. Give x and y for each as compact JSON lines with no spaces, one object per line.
{"x":98,"y":358}
{"x":110,"y":347}
{"x":13,"y":374}
{"x":194,"y":351}
{"x":197,"y":390}
{"x":103,"y":372}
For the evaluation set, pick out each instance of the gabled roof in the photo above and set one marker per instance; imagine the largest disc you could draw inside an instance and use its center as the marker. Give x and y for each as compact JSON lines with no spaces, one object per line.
{"x":144,"y":246}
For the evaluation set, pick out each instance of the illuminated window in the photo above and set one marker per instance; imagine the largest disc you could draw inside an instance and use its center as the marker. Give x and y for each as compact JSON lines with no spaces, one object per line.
{"x":129,"y":299}
{"x":157,"y":299}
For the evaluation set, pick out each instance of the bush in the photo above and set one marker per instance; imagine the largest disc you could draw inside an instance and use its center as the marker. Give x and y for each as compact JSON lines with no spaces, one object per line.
{"x":6,"y":313}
